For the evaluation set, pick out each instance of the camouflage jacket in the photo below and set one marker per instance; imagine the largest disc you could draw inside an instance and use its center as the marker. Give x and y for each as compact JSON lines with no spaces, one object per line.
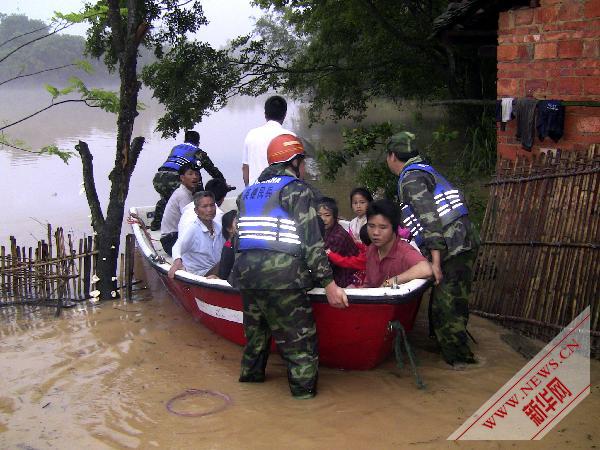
{"x":264,"y":269}
{"x":457,"y":237}
{"x":205,"y":163}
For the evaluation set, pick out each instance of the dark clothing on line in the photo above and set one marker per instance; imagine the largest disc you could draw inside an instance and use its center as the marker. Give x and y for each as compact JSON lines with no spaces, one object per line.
{"x":550,"y":120}
{"x":524,"y":111}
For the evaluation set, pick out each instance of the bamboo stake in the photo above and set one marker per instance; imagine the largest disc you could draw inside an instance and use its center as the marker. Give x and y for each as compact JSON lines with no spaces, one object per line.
{"x":3,"y":288}
{"x":79,"y":270}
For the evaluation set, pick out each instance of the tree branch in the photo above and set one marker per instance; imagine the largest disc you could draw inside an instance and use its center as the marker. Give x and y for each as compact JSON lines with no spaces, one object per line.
{"x":134,"y":152}
{"x":35,"y":40}
{"x":35,"y":73}
{"x":46,"y":108}
{"x":89,"y":185}
{"x":24,"y":34}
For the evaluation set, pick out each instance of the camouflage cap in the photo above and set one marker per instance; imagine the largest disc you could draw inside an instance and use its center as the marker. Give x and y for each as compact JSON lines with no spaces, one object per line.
{"x":400,"y":143}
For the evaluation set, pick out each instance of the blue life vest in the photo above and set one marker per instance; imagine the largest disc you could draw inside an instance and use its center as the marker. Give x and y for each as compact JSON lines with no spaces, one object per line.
{"x":263,"y":224}
{"x":450,"y":203}
{"x":180,"y":155}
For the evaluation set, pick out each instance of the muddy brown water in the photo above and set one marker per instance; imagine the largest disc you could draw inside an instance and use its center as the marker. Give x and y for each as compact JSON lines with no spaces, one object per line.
{"x":101,"y":377}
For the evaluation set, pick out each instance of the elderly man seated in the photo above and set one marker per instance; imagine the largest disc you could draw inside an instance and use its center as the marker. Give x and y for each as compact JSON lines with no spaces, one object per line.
{"x":219,"y":189}
{"x":390,"y":260}
{"x":198,"y":250}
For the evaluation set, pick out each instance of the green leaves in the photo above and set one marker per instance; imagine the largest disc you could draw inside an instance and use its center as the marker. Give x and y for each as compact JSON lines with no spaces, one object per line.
{"x":65,"y":155}
{"x":54,"y":92}
{"x":190,"y":80}
{"x":17,"y":144}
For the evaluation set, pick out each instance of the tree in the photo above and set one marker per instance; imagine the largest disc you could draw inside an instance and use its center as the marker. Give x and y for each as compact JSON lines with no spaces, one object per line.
{"x":342,"y":56}
{"x":189,"y":77}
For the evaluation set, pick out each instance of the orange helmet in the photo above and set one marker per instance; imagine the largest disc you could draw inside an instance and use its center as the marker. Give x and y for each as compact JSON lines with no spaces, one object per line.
{"x":284,"y":148}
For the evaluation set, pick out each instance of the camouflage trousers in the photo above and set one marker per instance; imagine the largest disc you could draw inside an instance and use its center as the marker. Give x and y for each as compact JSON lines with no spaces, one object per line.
{"x":164,"y":182}
{"x":450,"y":308}
{"x":287,"y":316}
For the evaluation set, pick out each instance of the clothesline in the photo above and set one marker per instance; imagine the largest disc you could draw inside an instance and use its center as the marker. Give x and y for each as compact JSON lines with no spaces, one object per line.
{"x":490,"y":102}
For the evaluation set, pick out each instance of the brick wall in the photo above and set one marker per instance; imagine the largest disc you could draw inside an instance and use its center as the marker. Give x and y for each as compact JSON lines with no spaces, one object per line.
{"x":552,"y":52}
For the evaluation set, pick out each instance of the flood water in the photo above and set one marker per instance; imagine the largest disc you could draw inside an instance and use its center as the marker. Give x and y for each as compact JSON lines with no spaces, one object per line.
{"x":101,"y":376}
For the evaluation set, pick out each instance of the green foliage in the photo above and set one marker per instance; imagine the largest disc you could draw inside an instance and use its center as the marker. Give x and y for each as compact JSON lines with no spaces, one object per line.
{"x":377,"y":178}
{"x":479,"y":155}
{"x":350,"y":53}
{"x":190,"y":80}
{"x":84,"y":65}
{"x":357,"y":141}
{"x":54,"y":92}
{"x":64,"y":155}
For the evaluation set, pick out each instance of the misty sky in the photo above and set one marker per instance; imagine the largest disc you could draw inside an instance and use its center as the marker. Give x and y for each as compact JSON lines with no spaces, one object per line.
{"x":228,"y":18}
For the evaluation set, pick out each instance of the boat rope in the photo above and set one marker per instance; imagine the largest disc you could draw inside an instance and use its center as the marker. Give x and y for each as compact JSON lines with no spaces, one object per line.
{"x":400,"y":341}
{"x":199,"y":392}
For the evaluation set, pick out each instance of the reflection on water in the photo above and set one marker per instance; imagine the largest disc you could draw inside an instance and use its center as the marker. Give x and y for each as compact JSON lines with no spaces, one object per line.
{"x":101,"y":377}
{"x":40,"y":190}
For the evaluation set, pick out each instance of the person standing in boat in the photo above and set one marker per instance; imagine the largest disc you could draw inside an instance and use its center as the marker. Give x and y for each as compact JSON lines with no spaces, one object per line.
{"x":254,"y":154}
{"x":437,"y":216}
{"x":166,"y":179}
{"x":281,"y":257}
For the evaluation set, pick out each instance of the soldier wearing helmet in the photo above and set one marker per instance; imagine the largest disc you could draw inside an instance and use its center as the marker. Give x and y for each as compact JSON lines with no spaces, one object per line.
{"x":437,"y":216}
{"x":281,"y":256}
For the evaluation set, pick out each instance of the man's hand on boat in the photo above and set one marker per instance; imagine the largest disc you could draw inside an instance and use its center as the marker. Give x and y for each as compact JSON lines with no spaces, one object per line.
{"x":177,"y":265}
{"x":336,"y":296}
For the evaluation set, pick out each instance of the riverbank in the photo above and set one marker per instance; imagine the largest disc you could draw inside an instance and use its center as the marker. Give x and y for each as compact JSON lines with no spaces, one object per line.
{"x":101,"y":377}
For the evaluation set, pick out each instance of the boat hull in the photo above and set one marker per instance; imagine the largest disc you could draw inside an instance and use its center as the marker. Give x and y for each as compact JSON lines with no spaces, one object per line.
{"x":358,"y":337}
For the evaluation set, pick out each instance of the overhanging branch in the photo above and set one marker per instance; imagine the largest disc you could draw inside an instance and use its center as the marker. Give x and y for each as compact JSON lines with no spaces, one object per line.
{"x":45,"y":109}
{"x":36,"y":73}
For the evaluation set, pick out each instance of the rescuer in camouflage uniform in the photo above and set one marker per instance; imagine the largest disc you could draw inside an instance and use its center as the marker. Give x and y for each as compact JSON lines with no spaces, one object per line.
{"x":274,"y":282}
{"x":451,"y":247}
{"x":167,"y":180}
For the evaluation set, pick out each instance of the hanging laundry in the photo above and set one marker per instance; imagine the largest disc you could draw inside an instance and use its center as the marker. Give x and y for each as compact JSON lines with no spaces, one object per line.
{"x":524,"y":111}
{"x":506,"y":107}
{"x":550,"y":120}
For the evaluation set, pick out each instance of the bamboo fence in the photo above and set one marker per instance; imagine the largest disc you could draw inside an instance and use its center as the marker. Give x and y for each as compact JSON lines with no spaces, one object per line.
{"x":538,"y":265}
{"x":57,"y":271}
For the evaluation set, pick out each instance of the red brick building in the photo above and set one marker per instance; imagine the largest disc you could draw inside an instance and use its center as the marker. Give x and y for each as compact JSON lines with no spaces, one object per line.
{"x":552,"y":52}
{"x":548,"y":49}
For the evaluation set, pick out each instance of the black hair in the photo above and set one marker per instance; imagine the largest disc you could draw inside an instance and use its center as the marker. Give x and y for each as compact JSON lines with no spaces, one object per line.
{"x":387,"y":209}
{"x":193,"y":137}
{"x":226,"y":222}
{"x":330,"y":204}
{"x":364,"y":235}
{"x":275,"y":108}
{"x":362,"y":191}
{"x":188,"y":166}
{"x":200,"y":195}
{"x":402,"y":156}
{"x":218,"y":187}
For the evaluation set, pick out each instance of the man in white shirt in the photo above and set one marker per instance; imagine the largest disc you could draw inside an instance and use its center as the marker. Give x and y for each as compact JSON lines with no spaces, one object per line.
{"x":219,"y":189}
{"x":254,"y":156}
{"x":198,"y":251}
{"x":189,"y":176}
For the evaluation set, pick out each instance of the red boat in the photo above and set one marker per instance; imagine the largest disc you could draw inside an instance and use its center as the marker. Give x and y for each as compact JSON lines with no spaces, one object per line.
{"x":358,"y":337}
